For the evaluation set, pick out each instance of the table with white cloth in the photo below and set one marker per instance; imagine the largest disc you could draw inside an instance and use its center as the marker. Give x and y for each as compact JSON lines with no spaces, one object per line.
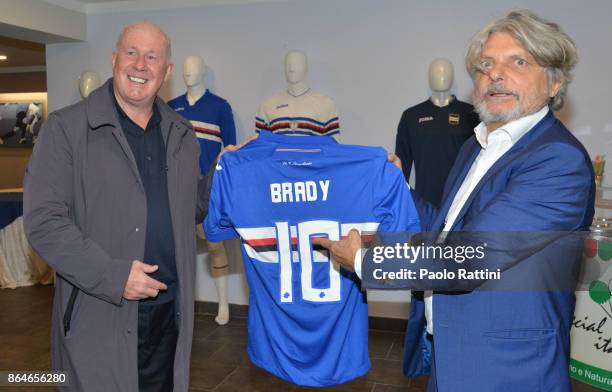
{"x":20,"y":265}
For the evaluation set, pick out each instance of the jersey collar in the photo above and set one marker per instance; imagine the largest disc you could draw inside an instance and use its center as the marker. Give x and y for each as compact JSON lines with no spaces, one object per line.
{"x":266,"y":136}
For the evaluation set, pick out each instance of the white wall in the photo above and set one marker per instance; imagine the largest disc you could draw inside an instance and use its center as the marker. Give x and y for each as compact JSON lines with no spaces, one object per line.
{"x":370,"y":56}
{"x":39,"y":21}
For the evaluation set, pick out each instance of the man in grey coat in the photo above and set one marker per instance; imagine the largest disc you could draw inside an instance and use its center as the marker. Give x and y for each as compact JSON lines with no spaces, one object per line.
{"x":111,"y":200}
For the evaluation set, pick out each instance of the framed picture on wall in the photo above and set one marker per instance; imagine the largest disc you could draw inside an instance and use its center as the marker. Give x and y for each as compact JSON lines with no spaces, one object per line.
{"x":21,"y":115}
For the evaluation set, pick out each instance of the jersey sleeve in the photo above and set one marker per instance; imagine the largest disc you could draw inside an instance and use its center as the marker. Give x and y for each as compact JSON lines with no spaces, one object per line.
{"x":332,"y":126}
{"x":394,"y":207}
{"x":218,"y":224}
{"x":226,"y":123}
{"x":261,"y":121}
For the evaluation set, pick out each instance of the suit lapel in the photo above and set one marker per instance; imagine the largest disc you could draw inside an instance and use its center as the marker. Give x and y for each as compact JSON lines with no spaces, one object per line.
{"x":504,"y":161}
{"x":457,"y":181}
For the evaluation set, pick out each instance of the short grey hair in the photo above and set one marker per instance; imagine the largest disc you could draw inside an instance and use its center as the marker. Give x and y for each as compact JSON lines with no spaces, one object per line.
{"x":552,"y":49}
{"x":167,"y":44}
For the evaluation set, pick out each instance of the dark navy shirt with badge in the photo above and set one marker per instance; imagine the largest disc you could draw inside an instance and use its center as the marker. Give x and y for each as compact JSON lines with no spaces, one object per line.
{"x":431,"y":136}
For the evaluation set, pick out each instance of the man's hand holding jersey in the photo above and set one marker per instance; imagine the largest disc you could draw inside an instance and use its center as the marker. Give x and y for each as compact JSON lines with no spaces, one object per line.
{"x":344,"y":252}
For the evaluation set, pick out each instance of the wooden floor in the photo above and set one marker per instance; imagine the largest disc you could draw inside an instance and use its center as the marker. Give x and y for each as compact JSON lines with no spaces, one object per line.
{"x":219,"y":359}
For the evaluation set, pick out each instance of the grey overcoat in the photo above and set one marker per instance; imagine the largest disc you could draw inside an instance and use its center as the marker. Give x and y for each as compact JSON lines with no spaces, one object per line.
{"x":85,"y":213}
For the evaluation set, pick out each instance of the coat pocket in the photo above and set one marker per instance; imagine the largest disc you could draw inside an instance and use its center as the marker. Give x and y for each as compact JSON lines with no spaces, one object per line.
{"x":69,"y":310}
{"x":519,"y":358}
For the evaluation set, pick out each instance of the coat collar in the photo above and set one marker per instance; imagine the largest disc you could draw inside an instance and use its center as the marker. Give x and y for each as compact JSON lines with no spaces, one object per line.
{"x":101,"y":110}
{"x":513,"y":130}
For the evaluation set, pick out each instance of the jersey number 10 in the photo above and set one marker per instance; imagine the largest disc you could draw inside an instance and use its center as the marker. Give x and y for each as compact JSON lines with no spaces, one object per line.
{"x":305,"y":230}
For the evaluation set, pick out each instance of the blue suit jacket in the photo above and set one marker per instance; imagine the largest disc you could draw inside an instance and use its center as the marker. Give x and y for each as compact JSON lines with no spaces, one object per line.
{"x":503,"y":340}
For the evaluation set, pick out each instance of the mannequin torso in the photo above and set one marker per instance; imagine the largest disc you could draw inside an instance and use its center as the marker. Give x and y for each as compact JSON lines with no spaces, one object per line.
{"x":210,"y":115}
{"x":298,"y":111}
{"x":431,"y":133}
{"x":212,"y":120}
{"x":309,"y":114}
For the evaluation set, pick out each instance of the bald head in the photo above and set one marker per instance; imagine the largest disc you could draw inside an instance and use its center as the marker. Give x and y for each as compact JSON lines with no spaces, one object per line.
{"x":149,"y":28}
{"x":141,"y":64}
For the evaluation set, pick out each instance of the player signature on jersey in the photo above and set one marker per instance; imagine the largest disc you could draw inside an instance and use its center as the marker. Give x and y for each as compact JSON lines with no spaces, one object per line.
{"x":296,"y":163}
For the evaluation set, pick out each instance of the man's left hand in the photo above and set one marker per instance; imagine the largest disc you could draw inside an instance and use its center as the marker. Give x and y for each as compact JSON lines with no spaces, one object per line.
{"x":342,"y":252}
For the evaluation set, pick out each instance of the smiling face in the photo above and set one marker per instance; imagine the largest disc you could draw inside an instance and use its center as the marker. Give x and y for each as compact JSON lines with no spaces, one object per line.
{"x":510,"y":83}
{"x":140,"y":66}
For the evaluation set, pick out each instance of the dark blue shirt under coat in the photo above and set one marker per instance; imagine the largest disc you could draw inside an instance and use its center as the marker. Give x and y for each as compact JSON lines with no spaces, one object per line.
{"x":149,"y":151}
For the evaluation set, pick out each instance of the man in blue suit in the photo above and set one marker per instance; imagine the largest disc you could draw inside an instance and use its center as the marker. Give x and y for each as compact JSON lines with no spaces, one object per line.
{"x":522,"y":172}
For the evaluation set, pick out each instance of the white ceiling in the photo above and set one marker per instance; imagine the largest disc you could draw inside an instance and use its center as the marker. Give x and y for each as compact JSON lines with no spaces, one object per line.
{"x":106,"y":6}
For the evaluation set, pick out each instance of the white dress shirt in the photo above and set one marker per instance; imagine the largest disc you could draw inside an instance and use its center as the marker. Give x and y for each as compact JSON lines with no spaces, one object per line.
{"x":493,"y":147}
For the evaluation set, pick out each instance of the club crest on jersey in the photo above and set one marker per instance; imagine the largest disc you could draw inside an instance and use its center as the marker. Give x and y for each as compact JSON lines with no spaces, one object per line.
{"x":425,"y":119}
{"x":453,"y":118}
